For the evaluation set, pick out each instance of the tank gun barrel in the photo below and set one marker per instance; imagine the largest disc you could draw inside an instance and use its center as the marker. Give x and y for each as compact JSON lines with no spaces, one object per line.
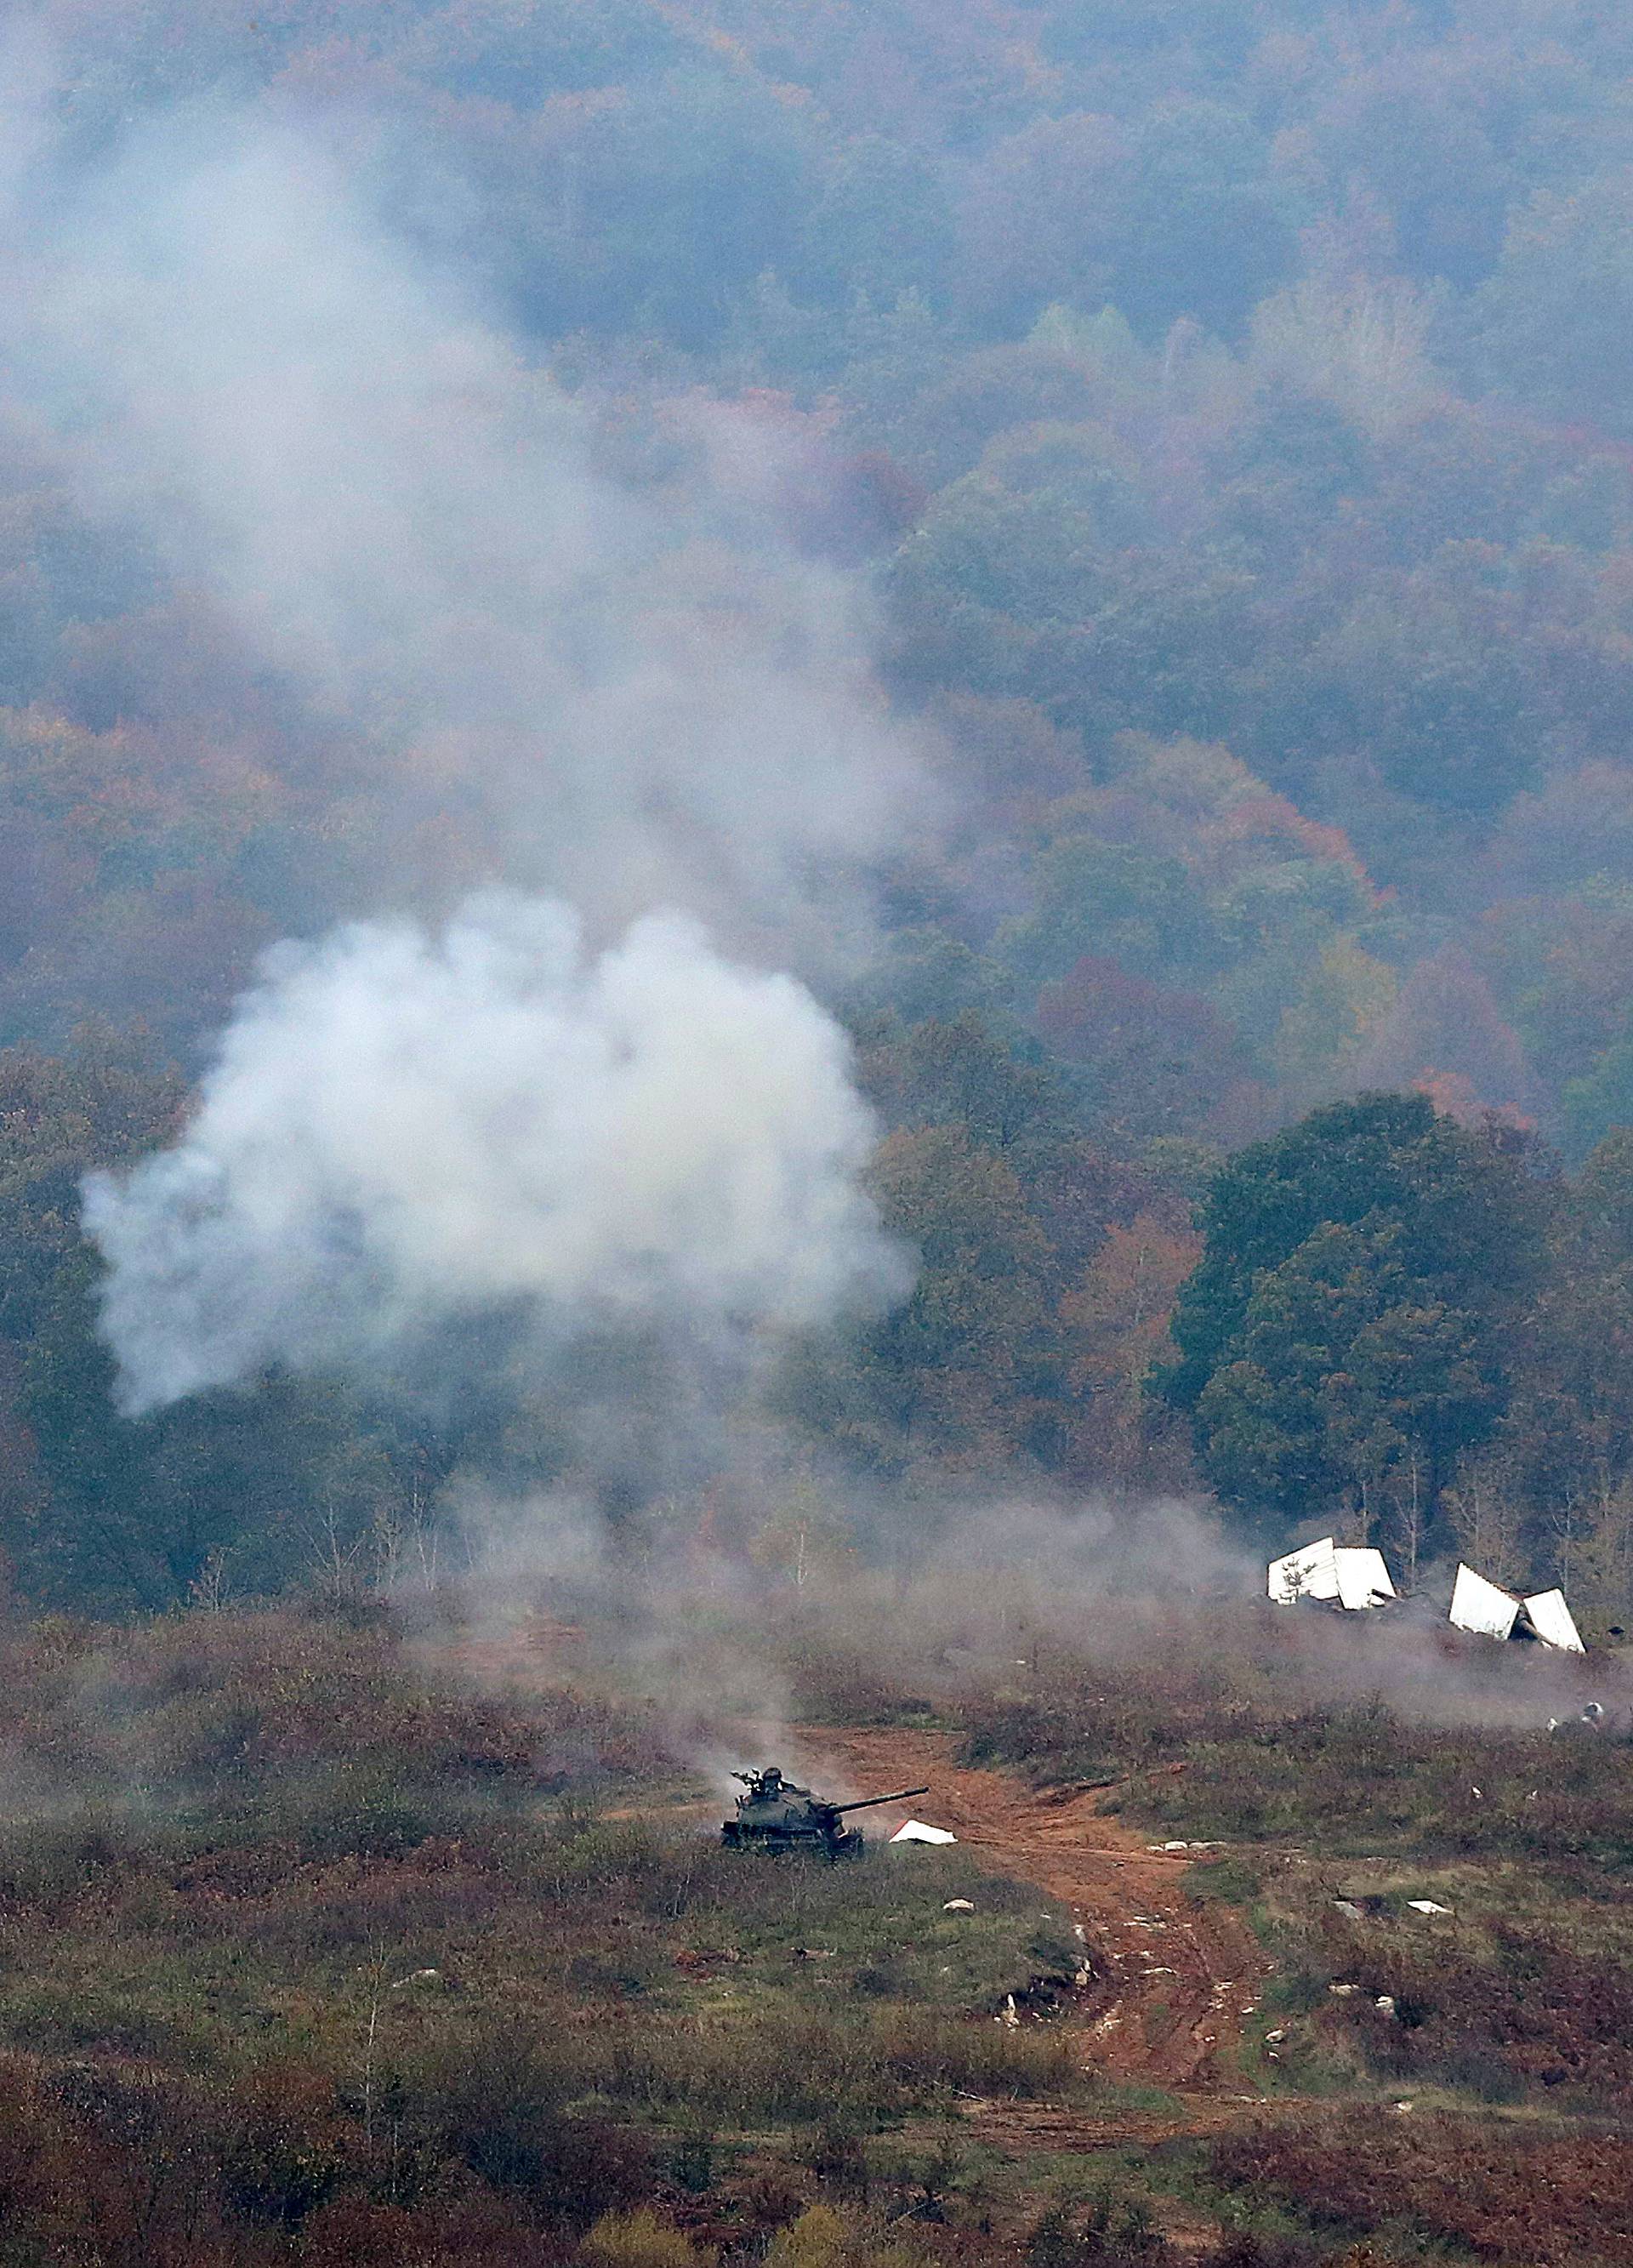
{"x":866,"y":1802}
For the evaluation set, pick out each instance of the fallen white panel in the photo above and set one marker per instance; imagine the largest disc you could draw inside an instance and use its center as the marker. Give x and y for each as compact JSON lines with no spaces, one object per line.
{"x":915,"y":1831}
{"x":1310,"y":1572}
{"x":1363,"y":1578}
{"x":1427,"y":1906}
{"x":1551,"y":1620}
{"x":1479,"y":1606}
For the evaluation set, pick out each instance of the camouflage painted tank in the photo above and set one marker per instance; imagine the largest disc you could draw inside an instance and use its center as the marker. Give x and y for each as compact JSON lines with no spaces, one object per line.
{"x":776,"y":1814}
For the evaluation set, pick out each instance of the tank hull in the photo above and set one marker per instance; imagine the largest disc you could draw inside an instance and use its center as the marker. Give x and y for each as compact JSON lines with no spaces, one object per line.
{"x":745,"y":1835}
{"x":778,"y":1815}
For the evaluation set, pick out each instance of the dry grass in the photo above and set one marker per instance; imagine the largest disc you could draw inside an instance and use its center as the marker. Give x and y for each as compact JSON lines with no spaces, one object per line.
{"x":310,"y":1953}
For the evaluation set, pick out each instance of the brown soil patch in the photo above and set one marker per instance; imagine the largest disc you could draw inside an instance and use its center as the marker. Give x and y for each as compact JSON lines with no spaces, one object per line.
{"x":1173,"y":1979}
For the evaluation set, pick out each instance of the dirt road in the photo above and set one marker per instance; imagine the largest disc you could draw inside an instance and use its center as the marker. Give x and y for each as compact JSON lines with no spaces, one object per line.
{"x":1174,"y":1980}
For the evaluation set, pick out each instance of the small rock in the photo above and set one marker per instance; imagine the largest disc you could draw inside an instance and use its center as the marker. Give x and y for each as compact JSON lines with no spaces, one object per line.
{"x":1277,"y":2035}
{"x":1384,"y":2004}
{"x":1342,"y":1990}
{"x":959,"y":1905}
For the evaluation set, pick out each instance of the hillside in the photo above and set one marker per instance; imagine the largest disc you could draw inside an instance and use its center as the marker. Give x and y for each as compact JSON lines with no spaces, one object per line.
{"x":816,"y":879}
{"x":1100,"y":550}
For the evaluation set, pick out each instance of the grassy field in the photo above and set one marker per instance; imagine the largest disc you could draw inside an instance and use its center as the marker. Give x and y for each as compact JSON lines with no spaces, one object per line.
{"x":1452,"y":2084}
{"x":308,"y":1955}
{"x":302,"y":1955}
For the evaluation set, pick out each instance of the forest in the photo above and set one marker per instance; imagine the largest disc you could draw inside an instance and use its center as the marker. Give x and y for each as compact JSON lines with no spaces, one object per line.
{"x":816,"y":875}
{"x":1211,"y":423}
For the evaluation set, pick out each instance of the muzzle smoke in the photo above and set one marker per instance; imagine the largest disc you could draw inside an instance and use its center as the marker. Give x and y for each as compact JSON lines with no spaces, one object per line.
{"x":402,"y":1128}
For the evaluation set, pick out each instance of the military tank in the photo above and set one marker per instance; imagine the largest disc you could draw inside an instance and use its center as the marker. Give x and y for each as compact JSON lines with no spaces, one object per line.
{"x":776,"y":1814}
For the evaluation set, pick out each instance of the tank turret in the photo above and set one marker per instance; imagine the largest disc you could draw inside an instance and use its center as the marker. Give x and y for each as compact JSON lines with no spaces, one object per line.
{"x":776,"y":1814}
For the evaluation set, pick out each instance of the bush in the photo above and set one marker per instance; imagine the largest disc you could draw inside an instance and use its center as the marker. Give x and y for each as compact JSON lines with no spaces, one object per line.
{"x":640,"y":2240}
{"x":1533,"y":2201}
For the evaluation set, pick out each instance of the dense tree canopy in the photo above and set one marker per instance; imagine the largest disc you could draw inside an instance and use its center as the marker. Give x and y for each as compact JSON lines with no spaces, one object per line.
{"x":1351,"y":1327}
{"x":1221,"y":409}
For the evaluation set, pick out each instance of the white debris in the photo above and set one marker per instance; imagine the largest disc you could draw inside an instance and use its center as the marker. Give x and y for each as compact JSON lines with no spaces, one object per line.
{"x":1427,"y":1906}
{"x":1481,"y":1607}
{"x":959,"y":1905}
{"x":1346,"y":1575}
{"x":914,"y":1830}
{"x":1275,"y":2038}
{"x":1384,"y":2004}
{"x":1363,"y":1579}
{"x":1551,"y":1620}
{"x":1310,"y":1572}
{"x":1343,"y":1991}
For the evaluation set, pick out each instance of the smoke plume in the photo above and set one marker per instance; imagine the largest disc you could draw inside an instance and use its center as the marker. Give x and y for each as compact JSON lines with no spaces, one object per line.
{"x":567,"y":644}
{"x":571,"y":637}
{"x":402,"y":1128}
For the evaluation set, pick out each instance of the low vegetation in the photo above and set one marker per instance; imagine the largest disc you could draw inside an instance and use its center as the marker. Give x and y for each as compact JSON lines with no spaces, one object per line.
{"x":1454,"y":2189}
{"x":309,"y":1956}
{"x":302,"y":1955}
{"x":1356,"y":1741}
{"x":1445,"y":1905}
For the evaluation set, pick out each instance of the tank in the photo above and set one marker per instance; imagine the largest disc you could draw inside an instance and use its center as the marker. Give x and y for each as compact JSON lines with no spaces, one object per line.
{"x":775,"y":1814}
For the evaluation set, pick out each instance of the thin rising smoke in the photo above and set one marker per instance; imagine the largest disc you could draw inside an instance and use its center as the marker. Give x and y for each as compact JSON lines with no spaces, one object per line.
{"x":630,"y":688}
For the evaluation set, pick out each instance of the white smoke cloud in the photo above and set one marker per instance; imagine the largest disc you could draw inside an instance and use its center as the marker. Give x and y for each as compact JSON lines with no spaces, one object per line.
{"x":620,"y":690}
{"x":403,"y":1128}
{"x":631,"y":689}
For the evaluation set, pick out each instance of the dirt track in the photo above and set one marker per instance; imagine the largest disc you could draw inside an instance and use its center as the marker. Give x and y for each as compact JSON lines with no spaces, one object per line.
{"x":1174,"y":1980}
